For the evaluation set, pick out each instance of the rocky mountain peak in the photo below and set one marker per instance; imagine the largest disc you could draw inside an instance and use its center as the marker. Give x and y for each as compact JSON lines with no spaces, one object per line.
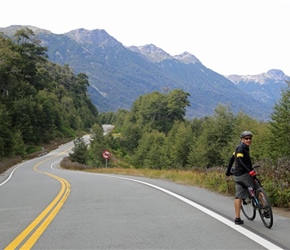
{"x":277,"y":74}
{"x":10,"y":31}
{"x":151,"y":52}
{"x":156,"y":54}
{"x":187,"y":58}
{"x":273,"y":75}
{"x":97,"y":37}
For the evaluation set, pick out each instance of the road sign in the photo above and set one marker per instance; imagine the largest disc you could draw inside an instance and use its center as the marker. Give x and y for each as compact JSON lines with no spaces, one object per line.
{"x":106,"y":154}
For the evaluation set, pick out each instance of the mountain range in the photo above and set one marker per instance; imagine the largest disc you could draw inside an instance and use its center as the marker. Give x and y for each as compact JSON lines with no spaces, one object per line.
{"x":118,"y":74}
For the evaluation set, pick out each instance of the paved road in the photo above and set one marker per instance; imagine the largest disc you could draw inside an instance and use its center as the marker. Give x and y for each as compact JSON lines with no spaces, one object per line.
{"x":44,"y":207}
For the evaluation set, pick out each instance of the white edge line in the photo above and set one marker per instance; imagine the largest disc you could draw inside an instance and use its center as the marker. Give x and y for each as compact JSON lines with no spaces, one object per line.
{"x":51,"y":166}
{"x":261,"y":241}
{"x":12,"y":172}
{"x":10,"y":175}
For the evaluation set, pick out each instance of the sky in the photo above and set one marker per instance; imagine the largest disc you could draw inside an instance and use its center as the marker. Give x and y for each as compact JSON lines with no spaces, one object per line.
{"x":243,"y":37}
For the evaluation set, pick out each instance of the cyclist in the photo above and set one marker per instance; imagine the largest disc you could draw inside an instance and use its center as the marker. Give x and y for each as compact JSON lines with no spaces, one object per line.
{"x":242,"y":172}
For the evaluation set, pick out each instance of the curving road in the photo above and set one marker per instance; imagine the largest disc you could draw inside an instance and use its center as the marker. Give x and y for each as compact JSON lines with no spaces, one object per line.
{"x":44,"y":207}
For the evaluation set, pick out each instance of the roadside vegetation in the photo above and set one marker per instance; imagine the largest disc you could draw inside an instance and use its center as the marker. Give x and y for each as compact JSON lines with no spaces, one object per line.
{"x":43,"y":104}
{"x":154,"y":139}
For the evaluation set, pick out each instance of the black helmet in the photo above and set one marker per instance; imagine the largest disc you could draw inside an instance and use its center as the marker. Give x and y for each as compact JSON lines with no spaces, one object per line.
{"x":246,"y":133}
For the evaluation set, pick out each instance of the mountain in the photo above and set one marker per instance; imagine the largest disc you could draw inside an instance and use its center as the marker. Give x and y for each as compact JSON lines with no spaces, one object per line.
{"x":118,"y":75}
{"x":265,"y":87}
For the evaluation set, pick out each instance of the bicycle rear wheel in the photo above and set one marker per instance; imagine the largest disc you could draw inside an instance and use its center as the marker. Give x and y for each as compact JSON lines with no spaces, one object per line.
{"x":265,"y":210}
{"x":248,"y":209}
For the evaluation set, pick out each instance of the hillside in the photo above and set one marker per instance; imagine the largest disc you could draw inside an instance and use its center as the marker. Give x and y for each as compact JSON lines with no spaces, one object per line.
{"x":118,"y":75}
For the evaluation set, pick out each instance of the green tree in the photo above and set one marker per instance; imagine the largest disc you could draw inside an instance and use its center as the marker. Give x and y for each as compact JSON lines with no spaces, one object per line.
{"x":149,"y":152}
{"x":23,"y":117}
{"x":80,"y":153}
{"x":97,"y":146}
{"x":159,"y":111}
{"x":41,"y":100}
{"x":9,"y":72}
{"x":31,"y":53}
{"x":280,"y":125}
{"x":211,"y":146}
{"x":177,"y":145}
{"x":6,"y":134}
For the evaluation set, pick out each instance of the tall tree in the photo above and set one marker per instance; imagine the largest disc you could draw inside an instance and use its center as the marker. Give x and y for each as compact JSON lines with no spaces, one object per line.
{"x":79,"y":151}
{"x":280,"y":125}
{"x":159,"y":111}
{"x":6,"y":134}
{"x":149,"y":152}
{"x":31,"y":53}
{"x":9,"y":71}
{"x":178,"y":144}
{"x":97,"y":146}
{"x":210,"y":148}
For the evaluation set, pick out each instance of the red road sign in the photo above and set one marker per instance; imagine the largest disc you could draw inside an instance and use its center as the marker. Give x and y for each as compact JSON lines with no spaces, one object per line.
{"x":106,"y":154}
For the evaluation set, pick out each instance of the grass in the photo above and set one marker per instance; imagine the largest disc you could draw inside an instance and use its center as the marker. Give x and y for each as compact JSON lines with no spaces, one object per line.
{"x":213,"y":179}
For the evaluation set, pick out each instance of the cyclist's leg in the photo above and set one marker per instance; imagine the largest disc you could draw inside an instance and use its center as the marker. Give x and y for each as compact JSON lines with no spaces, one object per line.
{"x":243,"y":202}
{"x":241,"y":194}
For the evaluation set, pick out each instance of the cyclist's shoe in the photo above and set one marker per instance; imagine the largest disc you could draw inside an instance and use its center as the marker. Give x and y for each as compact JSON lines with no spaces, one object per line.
{"x":238,"y":221}
{"x":266,"y":214}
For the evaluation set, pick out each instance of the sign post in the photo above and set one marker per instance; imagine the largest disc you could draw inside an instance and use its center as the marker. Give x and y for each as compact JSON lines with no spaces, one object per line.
{"x":106,"y":155}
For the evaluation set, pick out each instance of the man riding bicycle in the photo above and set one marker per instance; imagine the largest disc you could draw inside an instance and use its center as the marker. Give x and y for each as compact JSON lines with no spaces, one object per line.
{"x":242,"y":172}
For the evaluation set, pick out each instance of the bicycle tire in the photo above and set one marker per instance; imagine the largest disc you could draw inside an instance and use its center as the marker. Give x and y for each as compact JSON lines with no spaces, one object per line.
{"x":265,"y":210}
{"x":249,"y":210}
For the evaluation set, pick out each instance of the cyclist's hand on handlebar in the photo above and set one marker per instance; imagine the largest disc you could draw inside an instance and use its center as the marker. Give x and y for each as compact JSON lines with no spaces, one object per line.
{"x":252,"y":173}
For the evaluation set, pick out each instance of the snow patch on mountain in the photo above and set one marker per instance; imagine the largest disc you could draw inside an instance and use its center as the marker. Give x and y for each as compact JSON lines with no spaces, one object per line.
{"x":275,"y":75}
{"x":155,"y":54}
{"x":187,"y":58}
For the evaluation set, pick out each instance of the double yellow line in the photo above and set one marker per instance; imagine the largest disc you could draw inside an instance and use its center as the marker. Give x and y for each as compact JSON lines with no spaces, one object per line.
{"x":32,"y":232}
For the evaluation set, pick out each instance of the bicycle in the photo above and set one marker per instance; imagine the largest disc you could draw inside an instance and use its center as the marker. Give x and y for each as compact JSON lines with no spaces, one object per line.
{"x":258,"y":200}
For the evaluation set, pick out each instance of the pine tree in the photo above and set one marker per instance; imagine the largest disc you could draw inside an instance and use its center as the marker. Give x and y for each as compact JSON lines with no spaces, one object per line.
{"x":280,"y":125}
{"x":79,"y":151}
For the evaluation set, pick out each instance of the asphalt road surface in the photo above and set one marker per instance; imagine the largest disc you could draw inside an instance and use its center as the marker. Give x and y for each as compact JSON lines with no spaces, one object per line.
{"x":45,"y":207}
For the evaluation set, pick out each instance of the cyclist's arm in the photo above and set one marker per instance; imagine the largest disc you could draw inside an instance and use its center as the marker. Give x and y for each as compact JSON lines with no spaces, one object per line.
{"x":240,"y":160}
{"x":231,"y":162}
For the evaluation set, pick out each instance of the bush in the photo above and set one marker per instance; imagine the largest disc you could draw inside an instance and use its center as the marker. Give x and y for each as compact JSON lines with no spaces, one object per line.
{"x":68,"y":164}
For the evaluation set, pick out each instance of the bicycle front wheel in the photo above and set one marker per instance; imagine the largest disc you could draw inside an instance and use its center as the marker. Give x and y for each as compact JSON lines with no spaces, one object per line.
{"x":248,"y":209}
{"x":265,"y":209}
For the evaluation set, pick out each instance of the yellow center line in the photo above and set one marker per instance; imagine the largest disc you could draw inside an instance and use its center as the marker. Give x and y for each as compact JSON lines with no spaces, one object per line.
{"x":53,"y":208}
{"x":39,"y":231}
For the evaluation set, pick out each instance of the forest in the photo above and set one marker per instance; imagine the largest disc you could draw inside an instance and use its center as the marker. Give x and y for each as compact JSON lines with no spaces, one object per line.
{"x":42,"y":102}
{"x":156,"y":135}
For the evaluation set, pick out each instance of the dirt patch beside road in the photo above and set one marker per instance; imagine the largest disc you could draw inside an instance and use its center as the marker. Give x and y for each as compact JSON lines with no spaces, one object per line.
{"x":285,"y":212}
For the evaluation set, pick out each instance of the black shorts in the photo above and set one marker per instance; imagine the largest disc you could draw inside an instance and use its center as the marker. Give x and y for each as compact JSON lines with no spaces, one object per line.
{"x":242,"y":190}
